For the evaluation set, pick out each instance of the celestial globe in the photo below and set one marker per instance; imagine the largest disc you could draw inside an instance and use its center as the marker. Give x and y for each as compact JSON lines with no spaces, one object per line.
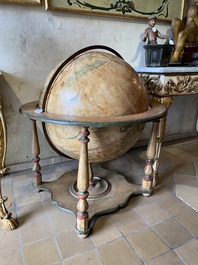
{"x":93,"y":84}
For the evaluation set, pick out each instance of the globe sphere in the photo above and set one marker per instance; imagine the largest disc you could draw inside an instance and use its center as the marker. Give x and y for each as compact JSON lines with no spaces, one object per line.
{"x":94,"y":84}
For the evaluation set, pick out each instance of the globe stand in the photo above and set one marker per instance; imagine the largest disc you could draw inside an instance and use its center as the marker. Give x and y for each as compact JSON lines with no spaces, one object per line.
{"x":100,"y":188}
{"x":121,"y":192}
{"x":68,"y":194}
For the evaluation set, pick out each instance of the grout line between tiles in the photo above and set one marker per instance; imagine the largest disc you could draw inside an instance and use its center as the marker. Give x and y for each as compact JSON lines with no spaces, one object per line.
{"x":53,"y":234}
{"x":18,"y":228}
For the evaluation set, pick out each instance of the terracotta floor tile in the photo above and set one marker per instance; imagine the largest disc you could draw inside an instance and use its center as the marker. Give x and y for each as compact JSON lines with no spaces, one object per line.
{"x":7,"y":191}
{"x":9,"y":240}
{"x":152,"y":213}
{"x":188,"y":194}
{"x":104,"y":231}
{"x":136,"y":201}
{"x":185,"y":168}
{"x":140,"y":200}
{"x":188,"y":252}
{"x":128,"y":221}
{"x":88,"y":258}
{"x":7,"y":180}
{"x":62,"y":221}
{"x":45,"y":195}
{"x":9,"y":257}
{"x":172,"y":233}
{"x":169,"y":161}
{"x":26,"y":194}
{"x":173,"y":150}
{"x":23,"y":176}
{"x":49,"y":206}
{"x":20,"y":177}
{"x":118,"y":252}
{"x":49,"y":177}
{"x":29,"y":212}
{"x":166,"y":181}
{"x":37,"y":229}
{"x":159,"y":193}
{"x":187,"y":180}
{"x":141,"y":242}
{"x":189,"y":146}
{"x":70,"y":244}
{"x":41,"y":252}
{"x":173,"y":206}
{"x":189,"y":221}
{"x":165,"y":259}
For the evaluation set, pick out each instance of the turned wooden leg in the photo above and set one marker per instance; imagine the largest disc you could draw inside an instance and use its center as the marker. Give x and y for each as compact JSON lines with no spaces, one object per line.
{"x":91,"y":177}
{"x":37,"y":178}
{"x":147,"y":181}
{"x":160,"y":138}
{"x":167,"y":101}
{"x":82,"y":223}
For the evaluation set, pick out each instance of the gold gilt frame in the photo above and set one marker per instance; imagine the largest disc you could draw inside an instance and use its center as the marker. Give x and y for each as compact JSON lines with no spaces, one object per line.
{"x":137,"y":9}
{"x":21,"y":2}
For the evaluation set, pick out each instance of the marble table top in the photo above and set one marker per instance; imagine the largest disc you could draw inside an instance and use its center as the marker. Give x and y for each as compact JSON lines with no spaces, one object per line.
{"x":166,"y":70}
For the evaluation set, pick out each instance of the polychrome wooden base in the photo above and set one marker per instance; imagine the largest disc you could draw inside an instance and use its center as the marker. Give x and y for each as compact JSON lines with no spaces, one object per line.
{"x":117,"y":196}
{"x":98,"y":189}
{"x":108,"y":193}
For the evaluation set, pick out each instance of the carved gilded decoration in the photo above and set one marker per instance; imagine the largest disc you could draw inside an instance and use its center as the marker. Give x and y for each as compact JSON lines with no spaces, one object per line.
{"x":6,"y":220}
{"x":161,"y":85}
{"x":2,"y":138}
{"x":152,"y":83}
{"x":182,"y":85}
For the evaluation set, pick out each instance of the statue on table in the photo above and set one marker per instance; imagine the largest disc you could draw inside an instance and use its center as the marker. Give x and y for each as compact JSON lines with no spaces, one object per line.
{"x":185,"y":35}
{"x":151,"y":33}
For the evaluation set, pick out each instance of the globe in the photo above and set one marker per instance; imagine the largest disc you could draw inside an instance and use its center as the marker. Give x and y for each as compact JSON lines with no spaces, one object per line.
{"x":93,"y":84}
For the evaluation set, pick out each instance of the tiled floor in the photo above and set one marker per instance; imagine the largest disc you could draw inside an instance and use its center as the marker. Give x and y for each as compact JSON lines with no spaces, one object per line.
{"x":160,"y":229}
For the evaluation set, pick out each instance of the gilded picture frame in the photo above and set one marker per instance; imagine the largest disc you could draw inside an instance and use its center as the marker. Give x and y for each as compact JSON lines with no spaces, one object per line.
{"x":136,"y":9}
{"x":21,"y":2}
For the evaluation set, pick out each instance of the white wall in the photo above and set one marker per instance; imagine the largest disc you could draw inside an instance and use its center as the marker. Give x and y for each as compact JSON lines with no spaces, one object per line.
{"x":33,"y":41}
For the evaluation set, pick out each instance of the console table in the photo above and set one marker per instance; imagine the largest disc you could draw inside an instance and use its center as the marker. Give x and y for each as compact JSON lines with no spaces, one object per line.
{"x":6,"y":220}
{"x":163,"y":83}
{"x":3,"y":140}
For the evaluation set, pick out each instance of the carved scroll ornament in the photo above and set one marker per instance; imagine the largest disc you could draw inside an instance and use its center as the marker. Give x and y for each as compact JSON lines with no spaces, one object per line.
{"x":152,"y":83}
{"x":185,"y":84}
{"x":166,"y":86}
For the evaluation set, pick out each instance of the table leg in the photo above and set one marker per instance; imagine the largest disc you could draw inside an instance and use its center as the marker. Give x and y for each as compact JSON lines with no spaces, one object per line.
{"x":82,"y":223}
{"x":147,"y":181}
{"x":91,"y":177}
{"x":37,"y":178}
{"x":6,"y":220}
{"x":3,"y":142}
{"x":167,"y":101}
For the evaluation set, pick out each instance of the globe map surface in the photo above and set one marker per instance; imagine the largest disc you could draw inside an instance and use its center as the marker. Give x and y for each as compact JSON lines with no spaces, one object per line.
{"x":94,"y":84}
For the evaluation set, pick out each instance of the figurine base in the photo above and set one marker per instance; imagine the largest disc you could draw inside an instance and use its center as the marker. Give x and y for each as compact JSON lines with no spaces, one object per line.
{"x":157,"y":55}
{"x":190,"y":56}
